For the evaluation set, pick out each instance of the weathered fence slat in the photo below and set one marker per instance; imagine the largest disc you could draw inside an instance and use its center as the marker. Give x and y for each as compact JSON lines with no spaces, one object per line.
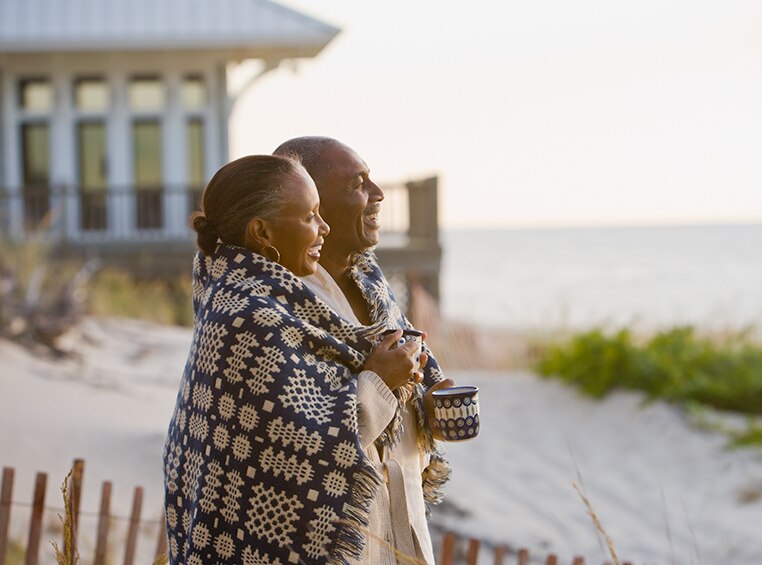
{"x":448,"y":549}
{"x":500,"y":552}
{"x":523,"y":556}
{"x":77,"y":472}
{"x":551,"y":560}
{"x":578,"y":560}
{"x":6,"y":494}
{"x":132,"y":532}
{"x":101,"y":543}
{"x":35,"y":525}
{"x":161,"y":544}
{"x":472,"y":554}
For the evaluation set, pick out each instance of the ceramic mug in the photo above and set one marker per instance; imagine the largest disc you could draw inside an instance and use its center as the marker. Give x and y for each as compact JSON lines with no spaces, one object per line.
{"x":410,"y":335}
{"x":456,"y":410}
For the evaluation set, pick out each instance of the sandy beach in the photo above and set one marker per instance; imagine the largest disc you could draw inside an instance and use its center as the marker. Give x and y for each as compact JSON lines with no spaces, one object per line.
{"x":665,"y":491}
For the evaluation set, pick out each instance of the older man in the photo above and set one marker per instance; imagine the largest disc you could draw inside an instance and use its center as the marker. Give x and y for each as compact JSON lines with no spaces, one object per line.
{"x":394,"y":427}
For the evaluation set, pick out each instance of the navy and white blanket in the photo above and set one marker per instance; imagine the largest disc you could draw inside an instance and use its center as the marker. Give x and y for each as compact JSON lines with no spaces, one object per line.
{"x":263,"y":462}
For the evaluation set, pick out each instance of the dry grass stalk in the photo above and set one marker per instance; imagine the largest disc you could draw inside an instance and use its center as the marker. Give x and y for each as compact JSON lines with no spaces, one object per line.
{"x":68,"y":555}
{"x":597,"y":522}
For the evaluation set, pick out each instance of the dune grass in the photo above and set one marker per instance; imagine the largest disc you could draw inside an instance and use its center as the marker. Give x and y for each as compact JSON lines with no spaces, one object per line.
{"x":722,"y":372}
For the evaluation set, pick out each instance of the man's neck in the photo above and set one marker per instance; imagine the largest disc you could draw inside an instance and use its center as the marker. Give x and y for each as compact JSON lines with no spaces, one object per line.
{"x":336,"y":263}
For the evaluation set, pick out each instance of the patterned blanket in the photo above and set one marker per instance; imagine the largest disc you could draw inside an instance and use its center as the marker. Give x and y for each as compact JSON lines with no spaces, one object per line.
{"x":263,"y":462}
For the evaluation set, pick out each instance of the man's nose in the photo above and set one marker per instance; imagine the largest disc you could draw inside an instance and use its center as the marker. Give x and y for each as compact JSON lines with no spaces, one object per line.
{"x":376,"y":194}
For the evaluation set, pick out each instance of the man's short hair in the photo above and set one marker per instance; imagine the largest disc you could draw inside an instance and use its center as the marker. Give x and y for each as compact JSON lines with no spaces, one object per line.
{"x":309,"y":150}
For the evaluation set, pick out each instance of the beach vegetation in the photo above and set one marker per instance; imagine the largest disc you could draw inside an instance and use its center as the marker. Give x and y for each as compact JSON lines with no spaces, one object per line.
{"x":40,"y":298}
{"x":113,"y":292}
{"x":680,"y":365}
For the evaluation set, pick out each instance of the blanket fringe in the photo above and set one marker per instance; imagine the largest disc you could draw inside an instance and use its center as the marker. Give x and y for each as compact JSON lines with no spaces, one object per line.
{"x":435,"y":476}
{"x":350,"y":537}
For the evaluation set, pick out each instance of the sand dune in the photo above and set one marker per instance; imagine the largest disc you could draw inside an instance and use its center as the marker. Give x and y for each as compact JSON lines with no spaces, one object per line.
{"x":666,"y":492}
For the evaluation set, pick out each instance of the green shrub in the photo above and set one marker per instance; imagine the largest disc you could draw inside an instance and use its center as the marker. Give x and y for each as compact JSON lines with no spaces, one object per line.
{"x":678,"y":365}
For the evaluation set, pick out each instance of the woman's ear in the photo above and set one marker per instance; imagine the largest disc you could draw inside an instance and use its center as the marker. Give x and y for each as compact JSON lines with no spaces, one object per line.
{"x":258,"y":233}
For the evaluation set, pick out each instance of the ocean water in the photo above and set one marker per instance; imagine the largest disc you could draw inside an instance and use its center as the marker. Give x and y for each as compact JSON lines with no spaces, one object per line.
{"x":647,"y":277}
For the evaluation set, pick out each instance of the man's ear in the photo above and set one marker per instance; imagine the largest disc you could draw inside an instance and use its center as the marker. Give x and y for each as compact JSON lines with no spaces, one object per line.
{"x":258,"y":233}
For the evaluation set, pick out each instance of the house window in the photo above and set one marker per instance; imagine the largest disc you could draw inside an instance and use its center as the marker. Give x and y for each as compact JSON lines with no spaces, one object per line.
{"x":146,"y":94}
{"x":35,"y":155}
{"x":36,"y":95}
{"x":193,"y":93}
{"x":194,"y":101}
{"x":35,"y":101}
{"x":196,"y":176}
{"x":91,"y":95}
{"x":147,"y":172}
{"x":91,"y":147}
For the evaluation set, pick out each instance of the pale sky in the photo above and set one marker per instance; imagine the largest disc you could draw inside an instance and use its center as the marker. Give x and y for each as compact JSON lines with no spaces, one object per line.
{"x":536,"y":113}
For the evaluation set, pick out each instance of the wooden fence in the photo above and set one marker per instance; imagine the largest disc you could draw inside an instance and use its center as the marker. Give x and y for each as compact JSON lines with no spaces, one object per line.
{"x":451,"y":550}
{"x":452,"y":554}
{"x":32,"y":550}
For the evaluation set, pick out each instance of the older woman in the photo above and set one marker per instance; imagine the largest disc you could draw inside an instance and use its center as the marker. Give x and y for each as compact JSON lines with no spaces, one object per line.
{"x":263,"y":461}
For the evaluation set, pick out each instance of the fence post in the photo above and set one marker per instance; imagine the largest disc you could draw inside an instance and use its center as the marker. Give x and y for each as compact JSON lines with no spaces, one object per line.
{"x":472,"y":554}
{"x":500,"y":552}
{"x":578,"y":560}
{"x":551,"y":560}
{"x":161,"y":545}
{"x":6,"y":493}
{"x":448,"y":549}
{"x":35,"y":527}
{"x":132,"y":532}
{"x":523,"y":556}
{"x":101,"y":543}
{"x":77,"y":473}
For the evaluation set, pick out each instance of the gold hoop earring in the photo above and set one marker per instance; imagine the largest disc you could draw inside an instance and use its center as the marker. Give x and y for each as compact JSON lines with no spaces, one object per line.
{"x":266,"y":251}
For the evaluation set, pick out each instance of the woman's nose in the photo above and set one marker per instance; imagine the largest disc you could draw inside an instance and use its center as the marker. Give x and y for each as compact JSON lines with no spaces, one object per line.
{"x":323,"y":229}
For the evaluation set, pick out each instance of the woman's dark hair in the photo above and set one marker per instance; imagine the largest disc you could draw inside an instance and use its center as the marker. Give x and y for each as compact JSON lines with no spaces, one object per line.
{"x":249,"y":187}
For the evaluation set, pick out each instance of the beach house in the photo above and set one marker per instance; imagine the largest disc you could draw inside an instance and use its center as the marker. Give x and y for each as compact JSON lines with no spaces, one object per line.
{"x":114,"y":114}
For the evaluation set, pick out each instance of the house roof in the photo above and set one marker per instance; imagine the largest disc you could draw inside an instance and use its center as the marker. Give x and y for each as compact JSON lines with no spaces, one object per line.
{"x":35,"y":26}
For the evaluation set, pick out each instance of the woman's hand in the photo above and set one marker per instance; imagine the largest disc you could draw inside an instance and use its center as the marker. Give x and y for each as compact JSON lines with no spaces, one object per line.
{"x":428,"y":406}
{"x":393,"y":363}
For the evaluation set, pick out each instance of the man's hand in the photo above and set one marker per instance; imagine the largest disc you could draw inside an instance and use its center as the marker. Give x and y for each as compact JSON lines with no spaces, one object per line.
{"x":428,"y":405}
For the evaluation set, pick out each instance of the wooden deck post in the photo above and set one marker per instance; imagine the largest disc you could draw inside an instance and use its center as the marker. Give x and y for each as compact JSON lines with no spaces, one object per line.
{"x":423,"y":226}
{"x":101,"y":542}
{"x":35,"y":526}
{"x":448,"y":549}
{"x":132,"y":532}
{"x":6,"y":494}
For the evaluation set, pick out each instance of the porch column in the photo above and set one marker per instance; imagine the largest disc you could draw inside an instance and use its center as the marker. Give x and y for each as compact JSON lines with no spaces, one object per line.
{"x":12,"y":156}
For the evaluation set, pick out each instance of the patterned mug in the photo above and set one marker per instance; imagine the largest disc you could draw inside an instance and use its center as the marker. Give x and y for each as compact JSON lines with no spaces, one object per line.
{"x":410,"y":335}
{"x":457,"y":412}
